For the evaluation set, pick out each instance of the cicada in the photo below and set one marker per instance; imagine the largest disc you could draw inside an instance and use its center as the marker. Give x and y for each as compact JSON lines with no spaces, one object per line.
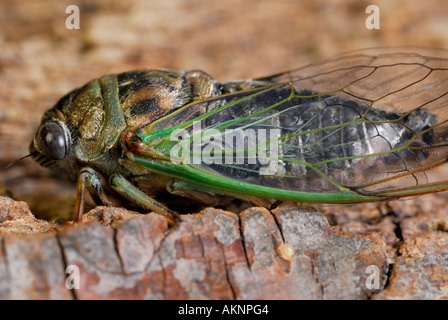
{"x":370,"y":125}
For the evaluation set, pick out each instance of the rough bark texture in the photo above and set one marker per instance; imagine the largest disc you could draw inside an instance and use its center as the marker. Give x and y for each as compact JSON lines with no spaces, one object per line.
{"x":398,"y":249}
{"x":289,"y":253}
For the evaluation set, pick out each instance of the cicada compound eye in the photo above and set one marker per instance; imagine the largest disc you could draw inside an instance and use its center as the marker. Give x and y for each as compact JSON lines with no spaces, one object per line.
{"x":52,"y":141}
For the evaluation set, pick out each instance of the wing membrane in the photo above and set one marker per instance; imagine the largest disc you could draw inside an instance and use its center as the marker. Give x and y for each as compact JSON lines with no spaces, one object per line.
{"x":372,"y":121}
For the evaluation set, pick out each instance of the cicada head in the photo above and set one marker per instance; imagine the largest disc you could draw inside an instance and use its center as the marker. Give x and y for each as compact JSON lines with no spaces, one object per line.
{"x":53,"y":142}
{"x":80,"y":129}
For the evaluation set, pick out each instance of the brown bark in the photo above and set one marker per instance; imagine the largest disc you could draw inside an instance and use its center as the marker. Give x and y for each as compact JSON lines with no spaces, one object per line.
{"x":289,"y":253}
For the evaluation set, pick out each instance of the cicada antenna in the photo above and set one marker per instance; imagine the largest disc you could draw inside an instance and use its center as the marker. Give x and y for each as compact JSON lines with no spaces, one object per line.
{"x":15,"y":161}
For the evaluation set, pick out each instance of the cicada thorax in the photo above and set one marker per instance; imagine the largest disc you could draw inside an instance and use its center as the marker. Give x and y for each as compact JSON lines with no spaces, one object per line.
{"x":147,"y":95}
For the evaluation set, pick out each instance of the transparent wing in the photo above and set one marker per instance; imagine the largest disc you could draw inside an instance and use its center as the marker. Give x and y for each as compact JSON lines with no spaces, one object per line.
{"x":372,"y":121}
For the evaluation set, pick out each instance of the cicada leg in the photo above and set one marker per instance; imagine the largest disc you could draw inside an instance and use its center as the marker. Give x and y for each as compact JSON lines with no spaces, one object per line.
{"x":127,"y":190}
{"x":207,"y":198}
{"x":96,"y":186}
{"x":193,"y":191}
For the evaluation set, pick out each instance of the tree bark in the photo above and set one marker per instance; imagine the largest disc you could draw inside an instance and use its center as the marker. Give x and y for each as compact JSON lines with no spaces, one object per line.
{"x":289,"y":253}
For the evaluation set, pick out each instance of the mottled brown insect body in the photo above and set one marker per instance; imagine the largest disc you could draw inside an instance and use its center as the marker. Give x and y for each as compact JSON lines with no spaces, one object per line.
{"x":370,"y":125}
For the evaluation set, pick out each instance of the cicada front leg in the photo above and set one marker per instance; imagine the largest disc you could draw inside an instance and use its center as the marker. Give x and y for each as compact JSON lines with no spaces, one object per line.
{"x":101,"y":191}
{"x":131,"y":144}
{"x":97,"y":187}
